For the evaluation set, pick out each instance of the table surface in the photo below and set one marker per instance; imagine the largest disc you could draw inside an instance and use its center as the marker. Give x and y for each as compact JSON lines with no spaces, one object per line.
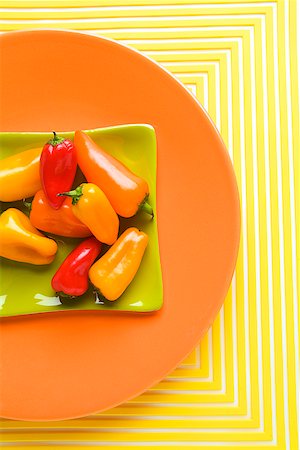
{"x":238,"y":388}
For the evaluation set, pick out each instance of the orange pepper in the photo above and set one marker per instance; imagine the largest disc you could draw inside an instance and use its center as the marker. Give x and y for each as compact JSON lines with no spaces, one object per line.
{"x":126,"y":191}
{"x":91,"y":206}
{"x":20,"y":175}
{"x":60,"y":221}
{"x":115,"y":270}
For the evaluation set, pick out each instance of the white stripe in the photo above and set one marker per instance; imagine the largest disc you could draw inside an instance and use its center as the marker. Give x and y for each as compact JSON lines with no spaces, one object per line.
{"x":186,"y":52}
{"x":149,"y":30}
{"x":142,"y":20}
{"x":281,"y":240}
{"x":188,"y":64}
{"x":167,"y":40}
{"x":121,"y":8}
{"x":206,"y":101}
{"x":244,"y":220}
{"x":112,"y":31}
{"x":256,"y":231}
{"x":192,"y":88}
{"x":218,"y":96}
{"x":233,"y":283}
{"x":179,"y":404}
{"x":269,"y":227}
{"x":222,"y":350}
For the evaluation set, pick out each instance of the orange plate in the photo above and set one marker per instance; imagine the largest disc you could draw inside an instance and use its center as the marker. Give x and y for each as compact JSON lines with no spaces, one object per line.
{"x":63,"y":365}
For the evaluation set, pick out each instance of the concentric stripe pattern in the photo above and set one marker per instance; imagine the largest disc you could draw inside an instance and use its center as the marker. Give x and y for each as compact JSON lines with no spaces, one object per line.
{"x":239,"y":387}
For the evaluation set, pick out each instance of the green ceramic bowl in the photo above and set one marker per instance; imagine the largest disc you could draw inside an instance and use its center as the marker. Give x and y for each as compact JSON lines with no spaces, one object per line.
{"x":26,"y":288}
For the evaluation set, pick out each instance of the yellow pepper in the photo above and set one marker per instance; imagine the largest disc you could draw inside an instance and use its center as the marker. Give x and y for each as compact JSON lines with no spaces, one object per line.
{"x":20,"y":241}
{"x":115,"y":270}
{"x":91,"y":206}
{"x":20,"y":175}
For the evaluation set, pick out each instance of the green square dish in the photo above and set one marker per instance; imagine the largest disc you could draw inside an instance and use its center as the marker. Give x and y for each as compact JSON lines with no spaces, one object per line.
{"x":26,"y":288}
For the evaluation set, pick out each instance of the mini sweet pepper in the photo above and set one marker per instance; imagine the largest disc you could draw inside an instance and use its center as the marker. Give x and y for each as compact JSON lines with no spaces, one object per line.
{"x":126,"y":191}
{"x":91,"y":206}
{"x":57,"y":168}
{"x":71,"y":279}
{"x":20,"y":175}
{"x":20,"y":241}
{"x":60,"y":221}
{"x":115,"y":270}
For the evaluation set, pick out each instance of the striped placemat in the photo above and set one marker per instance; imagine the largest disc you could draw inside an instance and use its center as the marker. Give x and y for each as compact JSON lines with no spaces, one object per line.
{"x":239,"y":387}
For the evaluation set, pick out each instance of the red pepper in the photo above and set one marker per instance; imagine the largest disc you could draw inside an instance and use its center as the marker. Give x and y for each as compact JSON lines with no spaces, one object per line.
{"x":71,"y":279}
{"x":58,"y":165}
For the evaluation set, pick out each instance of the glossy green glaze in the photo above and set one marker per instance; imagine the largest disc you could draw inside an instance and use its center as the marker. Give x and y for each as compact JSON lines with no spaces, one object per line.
{"x":26,"y":289}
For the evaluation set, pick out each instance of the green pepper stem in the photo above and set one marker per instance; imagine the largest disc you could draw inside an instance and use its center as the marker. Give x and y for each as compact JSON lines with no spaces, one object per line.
{"x":147,"y":208}
{"x":75,"y":194}
{"x":27,"y":205}
{"x":56,"y":139}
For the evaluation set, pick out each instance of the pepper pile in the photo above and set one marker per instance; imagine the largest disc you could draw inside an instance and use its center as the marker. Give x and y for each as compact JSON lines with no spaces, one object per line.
{"x":93,"y":208}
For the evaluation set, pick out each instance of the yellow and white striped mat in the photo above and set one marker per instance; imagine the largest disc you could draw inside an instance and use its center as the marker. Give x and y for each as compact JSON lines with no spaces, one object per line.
{"x":238,"y":388}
